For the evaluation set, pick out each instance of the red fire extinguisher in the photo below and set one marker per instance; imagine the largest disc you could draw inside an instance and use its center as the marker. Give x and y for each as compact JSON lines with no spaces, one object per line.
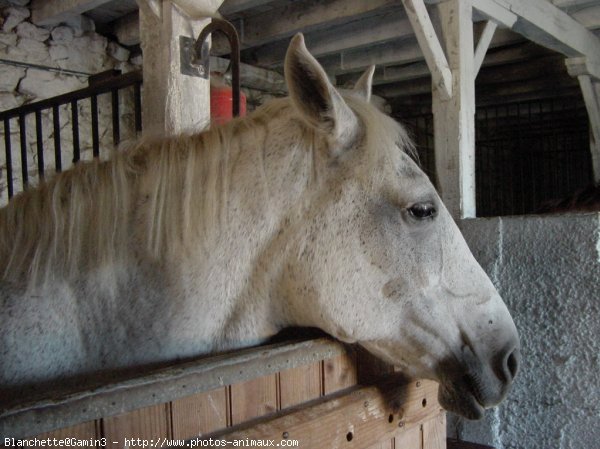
{"x":221,"y":101}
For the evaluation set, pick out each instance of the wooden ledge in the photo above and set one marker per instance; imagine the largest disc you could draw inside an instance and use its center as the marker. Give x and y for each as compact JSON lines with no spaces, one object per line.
{"x":162,"y":386}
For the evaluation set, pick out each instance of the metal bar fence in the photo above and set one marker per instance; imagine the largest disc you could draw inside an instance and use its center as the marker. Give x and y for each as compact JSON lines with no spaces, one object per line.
{"x":526,"y":153}
{"x":47,"y":115}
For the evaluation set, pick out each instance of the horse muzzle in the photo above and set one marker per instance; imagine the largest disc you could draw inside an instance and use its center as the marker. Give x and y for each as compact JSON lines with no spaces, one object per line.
{"x":474,"y":384}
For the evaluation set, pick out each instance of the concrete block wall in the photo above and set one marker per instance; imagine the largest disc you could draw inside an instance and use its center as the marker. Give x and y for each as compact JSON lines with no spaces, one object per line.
{"x":547,"y":269}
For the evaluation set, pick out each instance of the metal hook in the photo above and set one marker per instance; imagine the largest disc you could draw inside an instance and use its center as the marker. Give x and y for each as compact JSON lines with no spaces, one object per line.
{"x":234,"y":44}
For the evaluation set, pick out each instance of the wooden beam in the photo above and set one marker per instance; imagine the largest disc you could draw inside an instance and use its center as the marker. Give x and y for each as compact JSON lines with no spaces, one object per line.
{"x":483,"y":44}
{"x":493,"y":11}
{"x":406,"y":70}
{"x":591,"y":96}
{"x":454,"y":118}
{"x":511,"y":78}
{"x":231,"y":7}
{"x":393,"y":25}
{"x":297,"y":17}
{"x":53,"y":12}
{"x":547,"y":25}
{"x":362,"y":416}
{"x":430,"y":45}
{"x":566,"y":4}
{"x":405,"y":51}
{"x":589,"y":17}
{"x":253,"y":77}
{"x":162,"y":386}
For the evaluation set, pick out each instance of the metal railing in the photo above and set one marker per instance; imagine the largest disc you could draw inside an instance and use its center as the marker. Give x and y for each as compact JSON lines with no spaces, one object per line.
{"x":106,"y":83}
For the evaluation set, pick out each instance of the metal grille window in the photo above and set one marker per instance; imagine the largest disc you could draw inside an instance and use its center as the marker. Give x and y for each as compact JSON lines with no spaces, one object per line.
{"x":526,"y":153}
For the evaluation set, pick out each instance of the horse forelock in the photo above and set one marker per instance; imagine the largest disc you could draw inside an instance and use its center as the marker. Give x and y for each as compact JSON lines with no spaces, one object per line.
{"x":173,"y":189}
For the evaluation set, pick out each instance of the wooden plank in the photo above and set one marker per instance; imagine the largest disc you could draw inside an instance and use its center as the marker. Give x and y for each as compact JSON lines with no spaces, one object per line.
{"x":339,"y":373}
{"x":393,"y":25}
{"x":483,"y":44}
{"x":430,"y":45}
{"x":297,"y":17}
{"x":387,"y":444}
{"x":230,"y":7}
{"x":352,"y":419}
{"x":148,"y":422}
{"x":81,"y":431}
{"x":53,"y":12}
{"x":409,"y":438}
{"x":253,"y":398}
{"x":160,"y":386}
{"x":200,"y":413}
{"x":434,"y":432}
{"x":300,"y":384}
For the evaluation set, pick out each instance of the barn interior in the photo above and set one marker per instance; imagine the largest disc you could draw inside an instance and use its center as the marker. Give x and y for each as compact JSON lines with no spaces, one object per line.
{"x":530,"y":85}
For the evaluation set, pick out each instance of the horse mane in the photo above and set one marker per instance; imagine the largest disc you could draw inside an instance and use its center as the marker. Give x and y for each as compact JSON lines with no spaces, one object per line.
{"x":81,"y":218}
{"x":586,"y":199}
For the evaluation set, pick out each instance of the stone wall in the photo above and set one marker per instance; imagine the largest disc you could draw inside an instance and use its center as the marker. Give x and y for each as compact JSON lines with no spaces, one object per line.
{"x":547,"y":269}
{"x":74,"y":47}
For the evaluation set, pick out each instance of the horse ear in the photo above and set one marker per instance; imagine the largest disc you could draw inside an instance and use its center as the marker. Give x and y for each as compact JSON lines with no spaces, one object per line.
{"x":364,"y":84}
{"x":319,"y":103}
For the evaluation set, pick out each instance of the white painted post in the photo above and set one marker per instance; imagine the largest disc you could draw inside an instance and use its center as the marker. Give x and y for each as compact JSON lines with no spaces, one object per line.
{"x":454,"y":118}
{"x":591,"y":97}
{"x":172,"y":102}
{"x":590,"y":89}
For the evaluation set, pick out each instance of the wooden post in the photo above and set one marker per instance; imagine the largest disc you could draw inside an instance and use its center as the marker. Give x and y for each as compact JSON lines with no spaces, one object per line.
{"x":591,"y":96}
{"x":590,"y":90}
{"x":454,"y":107}
{"x":172,"y":102}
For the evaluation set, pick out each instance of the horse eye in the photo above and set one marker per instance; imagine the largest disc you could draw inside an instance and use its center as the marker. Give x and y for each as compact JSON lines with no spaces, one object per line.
{"x":422,"y":211}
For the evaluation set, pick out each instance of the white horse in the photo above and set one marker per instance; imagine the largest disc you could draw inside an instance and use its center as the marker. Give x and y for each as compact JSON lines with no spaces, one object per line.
{"x":308,"y":212}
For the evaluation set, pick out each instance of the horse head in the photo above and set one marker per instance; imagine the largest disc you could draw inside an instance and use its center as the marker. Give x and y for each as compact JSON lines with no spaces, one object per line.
{"x":380,"y":261}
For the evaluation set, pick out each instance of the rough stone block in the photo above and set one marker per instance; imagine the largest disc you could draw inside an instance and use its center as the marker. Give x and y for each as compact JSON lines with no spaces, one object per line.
{"x":117,"y":52}
{"x":10,"y":101}
{"x":13,"y":16}
{"x":32,"y":51}
{"x":9,"y":39}
{"x":10,"y":77}
{"x":30,"y":31}
{"x":59,"y":52}
{"x":41,"y":84}
{"x":62,"y":34}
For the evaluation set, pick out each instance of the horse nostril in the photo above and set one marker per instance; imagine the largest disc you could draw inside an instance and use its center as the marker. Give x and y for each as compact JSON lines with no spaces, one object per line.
{"x":511,"y":365}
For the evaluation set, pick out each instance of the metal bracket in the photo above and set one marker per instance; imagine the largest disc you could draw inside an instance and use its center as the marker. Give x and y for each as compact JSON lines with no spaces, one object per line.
{"x":188,"y":61}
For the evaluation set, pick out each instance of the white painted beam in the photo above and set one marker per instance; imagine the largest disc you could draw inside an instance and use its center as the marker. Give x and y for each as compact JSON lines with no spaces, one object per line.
{"x":430,"y":45}
{"x":454,"y":118}
{"x":493,"y":11}
{"x":53,"y":12}
{"x":545,"y":24}
{"x":172,"y":102}
{"x":483,"y":44}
